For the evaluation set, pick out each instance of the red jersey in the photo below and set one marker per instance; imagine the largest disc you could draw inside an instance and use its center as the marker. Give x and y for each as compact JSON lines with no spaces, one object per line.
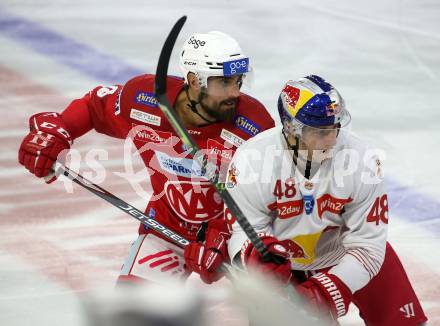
{"x":182,"y":196}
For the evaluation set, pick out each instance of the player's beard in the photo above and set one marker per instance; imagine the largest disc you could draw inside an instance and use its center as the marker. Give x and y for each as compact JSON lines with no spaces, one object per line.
{"x":220,"y":111}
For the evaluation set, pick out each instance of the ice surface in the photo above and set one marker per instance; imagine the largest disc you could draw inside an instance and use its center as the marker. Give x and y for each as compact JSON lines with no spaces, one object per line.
{"x":383,"y":56}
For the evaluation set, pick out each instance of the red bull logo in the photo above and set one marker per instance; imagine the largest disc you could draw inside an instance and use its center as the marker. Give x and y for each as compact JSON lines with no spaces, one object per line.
{"x":332,"y":109}
{"x":302,"y":248}
{"x":294,"y":249}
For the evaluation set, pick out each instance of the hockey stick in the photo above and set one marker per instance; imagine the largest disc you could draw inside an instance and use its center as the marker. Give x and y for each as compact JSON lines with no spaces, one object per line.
{"x":122,"y":205}
{"x":160,"y":94}
{"x":60,"y":169}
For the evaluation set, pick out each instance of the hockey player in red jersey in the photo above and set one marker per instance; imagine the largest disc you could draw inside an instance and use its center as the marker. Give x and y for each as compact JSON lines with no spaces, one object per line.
{"x":217,"y":115}
{"x":326,"y":214}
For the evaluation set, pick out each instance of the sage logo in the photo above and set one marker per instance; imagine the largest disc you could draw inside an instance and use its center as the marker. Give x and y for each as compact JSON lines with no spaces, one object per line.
{"x":236,"y":67}
{"x":196,"y":42}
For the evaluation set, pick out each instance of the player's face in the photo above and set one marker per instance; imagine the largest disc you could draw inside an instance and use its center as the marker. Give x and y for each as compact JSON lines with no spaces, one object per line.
{"x":322,"y":138}
{"x":220,"y":98}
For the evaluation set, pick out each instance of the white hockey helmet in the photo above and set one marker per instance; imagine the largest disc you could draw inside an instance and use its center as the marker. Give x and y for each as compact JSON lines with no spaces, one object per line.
{"x":212,"y":54}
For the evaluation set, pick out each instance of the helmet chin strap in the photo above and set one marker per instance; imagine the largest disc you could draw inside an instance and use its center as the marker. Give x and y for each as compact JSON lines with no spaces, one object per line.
{"x":192,"y":105}
{"x":295,"y":155}
{"x":294,"y":148}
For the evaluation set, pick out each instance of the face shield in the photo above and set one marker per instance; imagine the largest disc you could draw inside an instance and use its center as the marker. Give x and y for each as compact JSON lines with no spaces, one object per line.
{"x":323,"y":137}
{"x":228,"y":80}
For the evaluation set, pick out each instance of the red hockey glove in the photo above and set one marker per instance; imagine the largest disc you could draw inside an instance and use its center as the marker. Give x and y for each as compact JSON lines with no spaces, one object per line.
{"x":326,"y":293}
{"x":252,"y":259}
{"x":40,"y":148}
{"x":205,"y":259}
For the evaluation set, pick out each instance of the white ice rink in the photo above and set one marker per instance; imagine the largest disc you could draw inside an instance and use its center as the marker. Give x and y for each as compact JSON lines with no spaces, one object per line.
{"x":383,"y":56}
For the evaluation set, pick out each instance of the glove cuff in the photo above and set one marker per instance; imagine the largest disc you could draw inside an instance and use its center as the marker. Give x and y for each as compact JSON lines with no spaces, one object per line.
{"x":338,"y":295}
{"x":50,"y":123}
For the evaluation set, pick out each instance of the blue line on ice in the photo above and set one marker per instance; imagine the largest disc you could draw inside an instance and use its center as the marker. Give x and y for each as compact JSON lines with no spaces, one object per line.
{"x":405,"y":202}
{"x":80,"y":57}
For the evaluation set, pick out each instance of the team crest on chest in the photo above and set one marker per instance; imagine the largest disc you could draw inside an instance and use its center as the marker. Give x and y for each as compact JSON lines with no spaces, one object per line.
{"x":232,"y":176}
{"x":194,"y":202}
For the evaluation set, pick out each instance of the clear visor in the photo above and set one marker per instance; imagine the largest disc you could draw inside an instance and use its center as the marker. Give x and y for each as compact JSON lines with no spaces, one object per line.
{"x":322,"y":138}
{"x":229,"y":79}
{"x":228,"y":86}
{"x":222,"y":86}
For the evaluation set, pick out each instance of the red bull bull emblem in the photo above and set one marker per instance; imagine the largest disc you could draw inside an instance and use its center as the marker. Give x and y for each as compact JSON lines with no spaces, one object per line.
{"x":332,"y":109}
{"x":294,"y":249}
{"x":302,"y":248}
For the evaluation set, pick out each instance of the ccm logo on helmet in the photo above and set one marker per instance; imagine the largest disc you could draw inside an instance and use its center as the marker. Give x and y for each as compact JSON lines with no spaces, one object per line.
{"x":236,"y":67}
{"x":196,"y":42}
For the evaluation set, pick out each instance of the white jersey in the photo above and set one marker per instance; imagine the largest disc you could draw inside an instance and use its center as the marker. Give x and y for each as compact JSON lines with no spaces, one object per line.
{"x":337,"y":218}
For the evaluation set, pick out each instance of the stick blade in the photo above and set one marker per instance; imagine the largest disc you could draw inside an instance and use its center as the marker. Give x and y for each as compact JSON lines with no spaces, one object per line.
{"x":160,"y":83}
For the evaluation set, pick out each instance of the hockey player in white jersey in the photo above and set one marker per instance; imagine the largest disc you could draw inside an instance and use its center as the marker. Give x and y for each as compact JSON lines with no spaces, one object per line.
{"x":315,"y":194}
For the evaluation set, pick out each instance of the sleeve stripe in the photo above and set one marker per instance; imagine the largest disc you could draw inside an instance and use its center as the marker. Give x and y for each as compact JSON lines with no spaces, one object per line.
{"x":366,"y":258}
{"x":336,"y":256}
{"x":374,"y":265}
{"x":361,"y":259}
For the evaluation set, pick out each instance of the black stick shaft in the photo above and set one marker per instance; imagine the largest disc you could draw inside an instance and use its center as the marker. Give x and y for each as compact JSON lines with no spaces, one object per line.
{"x":122,"y":205}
